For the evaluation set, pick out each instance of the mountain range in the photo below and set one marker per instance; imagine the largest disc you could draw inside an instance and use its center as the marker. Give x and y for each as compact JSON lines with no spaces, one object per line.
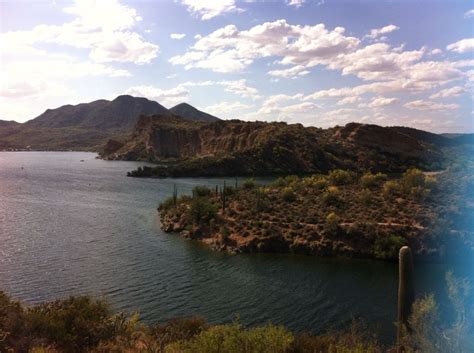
{"x":87,"y":126}
{"x":233,"y":147}
{"x":185,"y":141}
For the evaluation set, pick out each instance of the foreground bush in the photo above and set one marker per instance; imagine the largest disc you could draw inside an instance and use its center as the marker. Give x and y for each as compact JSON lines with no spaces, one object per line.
{"x":234,"y":338}
{"x":86,"y":325}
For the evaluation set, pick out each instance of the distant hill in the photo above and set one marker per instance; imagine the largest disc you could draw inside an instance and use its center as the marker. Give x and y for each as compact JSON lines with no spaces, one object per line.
{"x":86,"y":126}
{"x":119,"y":114}
{"x":8,"y":123}
{"x":189,"y":112}
{"x":233,"y":147}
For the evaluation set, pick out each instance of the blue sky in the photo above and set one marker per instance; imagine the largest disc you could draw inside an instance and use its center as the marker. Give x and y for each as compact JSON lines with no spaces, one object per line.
{"x":320,"y":63}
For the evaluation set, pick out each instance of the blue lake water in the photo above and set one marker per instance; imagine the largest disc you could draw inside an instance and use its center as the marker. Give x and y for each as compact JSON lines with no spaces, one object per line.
{"x":73,"y":224}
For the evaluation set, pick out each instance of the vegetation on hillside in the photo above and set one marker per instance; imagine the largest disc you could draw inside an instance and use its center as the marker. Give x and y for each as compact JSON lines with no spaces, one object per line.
{"x":233,"y":147}
{"x":84,"y":324}
{"x":342,"y":213}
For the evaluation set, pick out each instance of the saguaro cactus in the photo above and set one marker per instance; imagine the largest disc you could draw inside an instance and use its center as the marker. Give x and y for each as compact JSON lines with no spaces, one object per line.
{"x":223,"y":197}
{"x":406,"y":292}
{"x":175,"y":194}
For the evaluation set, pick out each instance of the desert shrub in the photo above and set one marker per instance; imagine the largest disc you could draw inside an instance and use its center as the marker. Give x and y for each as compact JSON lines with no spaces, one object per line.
{"x":369,"y":180}
{"x":72,"y":325}
{"x":285,"y":181}
{"x":167,"y":204}
{"x":233,"y":338}
{"x":429,"y":333}
{"x":419,"y":192}
{"x":431,"y":182}
{"x":365,"y":196}
{"x":387,"y":247}
{"x":202,"y":191}
{"x":332,"y":222}
{"x":413,"y":177}
{"x":316,"y":181}
{"x":331,"y":197}
{"x":202,"y":210}
{"x":391,"y":188}
{"x":229,"y":190}
{"x":249,"y":184}
{"x":288,"y":195}
{"x":177,"y":330}
{"x":355,"y":340}
{"x":339,"y":177}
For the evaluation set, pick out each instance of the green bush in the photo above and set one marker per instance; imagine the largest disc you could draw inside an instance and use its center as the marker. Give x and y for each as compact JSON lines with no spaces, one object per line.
{"x":332,"y":222}
{"x":387,"y":247}
{"x":73,"y":324}
{"x":285,"y":181}
{"x":340,"y":177}
{"x":177,"y":330}
{"x":413,"y":177}
{"x":331,"y":196}
{"x":288,"y":195}
{"x":369,"y":180}
{"x":365,"y":196}
{"x":234,"y":338}
{"x":391,"y":188}
{"x":167,"y":204}
{"x":202,"y":191}
{"x":202,"y":210}
{"x":249,"y":184}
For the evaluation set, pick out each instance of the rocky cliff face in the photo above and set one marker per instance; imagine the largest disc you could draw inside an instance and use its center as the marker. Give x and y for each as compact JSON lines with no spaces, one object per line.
{"x":258,"y":148}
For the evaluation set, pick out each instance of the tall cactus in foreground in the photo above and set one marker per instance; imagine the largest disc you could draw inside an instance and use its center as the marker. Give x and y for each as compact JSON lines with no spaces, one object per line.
{"x":406,"y":292}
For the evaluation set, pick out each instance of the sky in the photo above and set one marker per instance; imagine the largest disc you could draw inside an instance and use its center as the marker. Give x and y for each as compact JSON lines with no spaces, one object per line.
{"x":316,"y":62}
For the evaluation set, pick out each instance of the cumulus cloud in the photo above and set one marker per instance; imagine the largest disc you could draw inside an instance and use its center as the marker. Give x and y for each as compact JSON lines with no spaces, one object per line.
{"x":177,"y":36}
{"x":300,"y":48}
{"x":229,"y":50}
{"x":462,"y":46}
{"x":165,"y":97}
{"x":227,"y":109}
{"x":349,"y":100}
{"x":292,"y":72}
{"x":374,"y":33}
{"x":295,"y":3}
{"x":448,"y":92}
{"x":469,"y":14}
{"x":108,"y":38}
{"x":430,"y":105}
{"x":238,"y":87}
{"x":206,"y":9}
{"x":380,"y":102}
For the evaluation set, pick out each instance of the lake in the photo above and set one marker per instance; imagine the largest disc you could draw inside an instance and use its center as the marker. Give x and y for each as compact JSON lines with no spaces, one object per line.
{"x":73,"y":224}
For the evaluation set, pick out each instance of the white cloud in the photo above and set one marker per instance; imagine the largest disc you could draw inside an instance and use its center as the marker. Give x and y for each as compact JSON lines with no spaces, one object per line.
{"x":177,"y":36}
{"x":462,"y":46}
{"x":108,"y":38}
{"x":379,"y":102}
{"x":168,"y":98}
{"x":295,"y":3}
{"x":349,"y":100}
{"x":229,"y":50}
{"x":207,"y":9}
{"x":238,"y":87}
{"x":448,"y":92}
{"x":374,"y":33}
{"x":469,"y":14}
{"x":430,"y":105}
{"x":227,"y":109}
{"x":292,"y":72}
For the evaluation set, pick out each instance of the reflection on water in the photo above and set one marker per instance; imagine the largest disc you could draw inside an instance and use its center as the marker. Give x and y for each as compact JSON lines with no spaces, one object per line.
{"x":72,"y":227}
